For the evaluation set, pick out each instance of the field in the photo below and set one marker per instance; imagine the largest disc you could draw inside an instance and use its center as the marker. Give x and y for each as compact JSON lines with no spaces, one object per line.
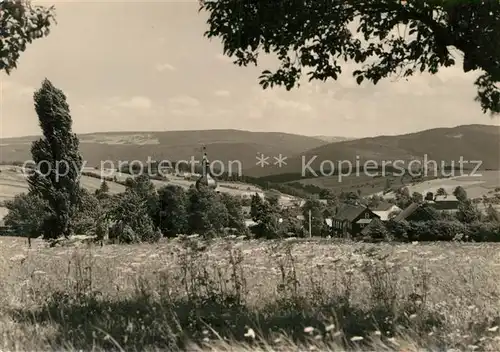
{"x":484,"y":183}
{"x":188,"y":294}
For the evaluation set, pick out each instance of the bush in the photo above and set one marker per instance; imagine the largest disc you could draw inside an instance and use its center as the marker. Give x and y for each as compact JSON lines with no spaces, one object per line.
{"x":484,"y":231}
{"x":26,"y":215}
{"x":377,"y":232}
{"x":132,"y":223}
{"x":399,"y":230}
{"x":439,"y":230}
{"x":86,"y":217}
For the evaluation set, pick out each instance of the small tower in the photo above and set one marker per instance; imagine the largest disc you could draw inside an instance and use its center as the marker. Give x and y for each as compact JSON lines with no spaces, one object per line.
{"x":206,"y":179}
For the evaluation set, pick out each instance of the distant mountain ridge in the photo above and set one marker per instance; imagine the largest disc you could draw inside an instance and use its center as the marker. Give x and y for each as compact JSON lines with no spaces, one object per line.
{"x":222,"y":144}
{"x":443,"y":145}
{"x":472,"y":142}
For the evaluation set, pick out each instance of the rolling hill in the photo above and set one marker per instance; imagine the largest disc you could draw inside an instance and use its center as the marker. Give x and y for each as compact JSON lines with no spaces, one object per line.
{"x":443,"y":145}
{"x":223,"y":145}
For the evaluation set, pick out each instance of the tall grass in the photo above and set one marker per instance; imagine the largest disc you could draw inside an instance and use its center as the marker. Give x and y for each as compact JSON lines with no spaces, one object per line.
{"x":192,"y":294}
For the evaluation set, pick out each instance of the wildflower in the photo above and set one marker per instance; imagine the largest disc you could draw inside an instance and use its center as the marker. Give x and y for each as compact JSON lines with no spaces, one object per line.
{"x":250,"y":333}
{"x":356,"y":338}
{"x":309,"y":329}
{"x":413,"y":316}
{"x":378,"y":333}
{"x":18,"y":258}
{"x":493,"y":329}
{"x":38,"y":272}
{"x":329,"y":327}
{"x":393,"y":341}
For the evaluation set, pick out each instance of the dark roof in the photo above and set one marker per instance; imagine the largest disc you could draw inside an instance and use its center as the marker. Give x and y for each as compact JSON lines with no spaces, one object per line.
{"x":446,"y":198}
{"x":445,"y":205}
{"x":412,"y":208}
{"x":382,"y":206}
{"x":349,"y":212}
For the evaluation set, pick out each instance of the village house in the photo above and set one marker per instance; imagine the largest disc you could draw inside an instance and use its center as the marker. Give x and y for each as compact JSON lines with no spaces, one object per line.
{"x":351,"y":219}
{"x":302,"y":202}
{"x":448,"y":203}
{"x":385,"y":209}
{"x":415,"y":212}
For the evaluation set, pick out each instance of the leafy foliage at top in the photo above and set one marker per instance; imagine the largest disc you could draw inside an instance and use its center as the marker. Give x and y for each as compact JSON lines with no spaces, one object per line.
{"x":20,"y":24}
{"x":393,"y":38}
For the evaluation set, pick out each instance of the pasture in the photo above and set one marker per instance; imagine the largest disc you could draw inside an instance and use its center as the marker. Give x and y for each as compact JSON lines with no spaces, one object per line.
{"x":250,"y":295}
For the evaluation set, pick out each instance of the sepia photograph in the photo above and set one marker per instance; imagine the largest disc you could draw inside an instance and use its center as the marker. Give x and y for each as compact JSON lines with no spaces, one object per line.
{"x":250,"y":175}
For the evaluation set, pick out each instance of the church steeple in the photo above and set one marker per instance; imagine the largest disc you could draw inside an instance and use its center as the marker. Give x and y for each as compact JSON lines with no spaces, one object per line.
{"x":206,"y":179}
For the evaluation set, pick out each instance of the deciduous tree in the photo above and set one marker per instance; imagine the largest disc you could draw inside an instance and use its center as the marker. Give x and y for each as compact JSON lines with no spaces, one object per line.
{"x":172,"y":217}
{"x":391,"y":37}
{"x":20,"y":24}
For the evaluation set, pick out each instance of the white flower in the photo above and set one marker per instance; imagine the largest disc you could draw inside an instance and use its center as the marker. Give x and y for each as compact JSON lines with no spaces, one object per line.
{"x":250,"y":333}
{"x":329,"y":327}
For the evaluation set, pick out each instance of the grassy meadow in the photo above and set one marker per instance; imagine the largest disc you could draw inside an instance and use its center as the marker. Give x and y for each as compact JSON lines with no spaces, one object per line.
{"x":190,"y":294}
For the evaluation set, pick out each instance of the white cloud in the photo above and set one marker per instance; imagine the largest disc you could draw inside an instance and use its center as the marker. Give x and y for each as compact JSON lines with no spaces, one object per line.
{"x":222,"y":93}
{"x":137,"y":102}
{"x":183,"y":101}
{"x":165,"y":67}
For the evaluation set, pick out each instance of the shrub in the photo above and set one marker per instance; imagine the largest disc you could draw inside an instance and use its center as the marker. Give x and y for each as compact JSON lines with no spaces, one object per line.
{"x":440,"y":230}
{"x":399,"y":230}
{"x":377,"y":231}
{"x":26,"y":214}
{"x":484,"y":231}
{"x":89,"y":210}
{"x":130,"y":215}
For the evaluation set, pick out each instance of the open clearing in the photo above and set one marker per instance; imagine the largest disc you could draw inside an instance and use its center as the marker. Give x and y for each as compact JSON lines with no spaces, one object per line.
{"x":141,"y":289}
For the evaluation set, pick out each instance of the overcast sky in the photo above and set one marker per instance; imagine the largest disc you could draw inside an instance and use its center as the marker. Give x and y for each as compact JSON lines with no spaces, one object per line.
{"x":142,"y":66}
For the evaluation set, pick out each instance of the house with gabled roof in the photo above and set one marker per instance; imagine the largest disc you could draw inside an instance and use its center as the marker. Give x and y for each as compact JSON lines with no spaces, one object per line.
{"x":351,"y":219}
{"x":416,"y":212}
{"x":384,"y":210}
{"x":447,"y":203}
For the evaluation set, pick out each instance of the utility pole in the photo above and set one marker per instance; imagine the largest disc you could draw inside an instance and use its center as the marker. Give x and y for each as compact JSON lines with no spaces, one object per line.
{"x":310,"y":232}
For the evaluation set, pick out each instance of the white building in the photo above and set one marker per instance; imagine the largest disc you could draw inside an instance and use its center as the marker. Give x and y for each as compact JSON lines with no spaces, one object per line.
{"x":384,"y":209}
